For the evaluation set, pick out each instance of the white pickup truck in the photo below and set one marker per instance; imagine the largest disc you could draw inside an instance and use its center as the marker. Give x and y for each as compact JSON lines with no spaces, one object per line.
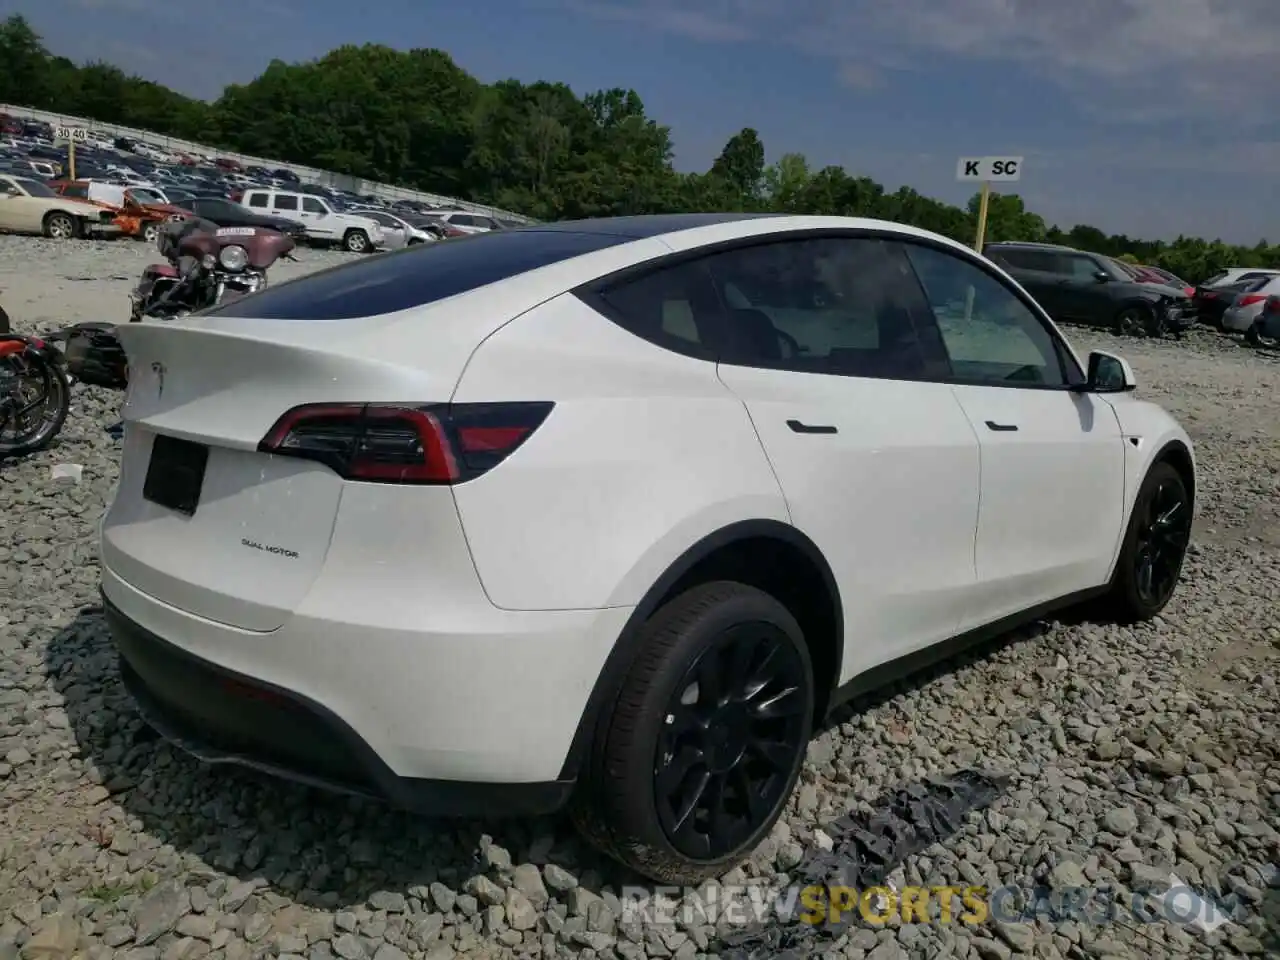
{"x":323,"y":224}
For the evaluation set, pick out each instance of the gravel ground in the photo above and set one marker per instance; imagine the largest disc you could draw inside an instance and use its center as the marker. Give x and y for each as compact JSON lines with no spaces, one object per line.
{"x":1131,"y":752}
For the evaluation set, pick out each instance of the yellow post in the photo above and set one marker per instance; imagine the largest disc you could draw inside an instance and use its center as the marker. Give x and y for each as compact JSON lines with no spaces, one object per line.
{"x":984,"y":200}
{"x":71,"y":158}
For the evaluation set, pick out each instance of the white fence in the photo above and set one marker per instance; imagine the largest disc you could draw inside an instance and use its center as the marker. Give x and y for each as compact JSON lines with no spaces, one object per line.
{"x":306,"y":174}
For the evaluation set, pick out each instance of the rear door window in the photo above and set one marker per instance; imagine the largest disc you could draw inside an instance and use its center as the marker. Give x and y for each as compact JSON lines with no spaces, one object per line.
{"x":258,"y":200}
{"x":285,"y":201}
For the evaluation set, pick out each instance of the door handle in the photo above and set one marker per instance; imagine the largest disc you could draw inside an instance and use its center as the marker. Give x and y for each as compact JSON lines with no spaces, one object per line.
{"x":1001,"y":427}
{"x":799,"y":427}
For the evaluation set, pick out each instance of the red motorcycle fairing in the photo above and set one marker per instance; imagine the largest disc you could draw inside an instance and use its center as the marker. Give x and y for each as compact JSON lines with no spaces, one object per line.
{"x":157,"y":270}
{"x":9,"y":347}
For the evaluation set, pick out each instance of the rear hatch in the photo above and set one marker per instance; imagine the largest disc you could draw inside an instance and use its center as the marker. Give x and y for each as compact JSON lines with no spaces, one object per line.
{"x":254,"y":533}
{"x":251,"y":537}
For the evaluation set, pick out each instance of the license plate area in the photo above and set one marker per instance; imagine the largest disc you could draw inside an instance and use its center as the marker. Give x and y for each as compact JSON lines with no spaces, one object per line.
{"x":175,"y":474}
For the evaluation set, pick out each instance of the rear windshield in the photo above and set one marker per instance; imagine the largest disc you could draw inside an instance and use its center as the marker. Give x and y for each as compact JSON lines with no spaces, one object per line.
{"x":386,"y":283}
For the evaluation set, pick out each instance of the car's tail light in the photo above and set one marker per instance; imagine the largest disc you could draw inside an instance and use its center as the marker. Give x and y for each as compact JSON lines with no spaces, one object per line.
{"x":1249,"y":299}
{"x":1189,"y":291}
{"x":235,"y":195}
{"x":405,"y":443}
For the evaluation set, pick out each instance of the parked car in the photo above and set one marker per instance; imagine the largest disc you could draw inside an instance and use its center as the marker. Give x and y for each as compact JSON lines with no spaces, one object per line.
{"x":1211,"y":302}
{"x":468,"y":222}
{"x":227,"y":214}
{"x":1233,"y":275}
{"x":138,"y":214}
{"x":1163,"y":276}
{"x":464,"y":544}
{"x":1088,"y":288}
{"x":392,"y":224}
{"x":356,"y":233}
{"x":1239,"y":317}
{"x":28,"y":206}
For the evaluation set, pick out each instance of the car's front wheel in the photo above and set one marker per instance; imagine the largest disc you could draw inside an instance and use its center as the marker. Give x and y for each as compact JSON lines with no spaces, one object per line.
{"x":1154,"y":547}
{"x":706,"y":737}
{"x":356,"y":241}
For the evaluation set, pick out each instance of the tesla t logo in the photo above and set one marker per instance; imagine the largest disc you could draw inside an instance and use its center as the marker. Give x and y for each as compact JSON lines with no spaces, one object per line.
{"x":158,"y":369}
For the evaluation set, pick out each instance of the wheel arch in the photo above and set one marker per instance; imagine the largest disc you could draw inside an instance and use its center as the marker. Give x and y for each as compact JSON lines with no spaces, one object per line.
{"x":731,"y":552}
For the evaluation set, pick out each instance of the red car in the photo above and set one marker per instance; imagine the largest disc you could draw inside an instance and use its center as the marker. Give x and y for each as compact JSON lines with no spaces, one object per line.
{"x":1148,"y":274}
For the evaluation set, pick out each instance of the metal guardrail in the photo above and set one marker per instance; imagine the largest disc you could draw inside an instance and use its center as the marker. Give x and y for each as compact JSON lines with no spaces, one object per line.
{"x":327,"y":178}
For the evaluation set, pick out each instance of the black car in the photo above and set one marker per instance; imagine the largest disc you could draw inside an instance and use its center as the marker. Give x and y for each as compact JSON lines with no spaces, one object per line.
{"x":1076,"y":286}
{"x":227,"y":214}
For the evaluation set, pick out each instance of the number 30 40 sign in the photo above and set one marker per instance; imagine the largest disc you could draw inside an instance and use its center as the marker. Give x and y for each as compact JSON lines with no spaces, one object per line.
{"x":75,"y":134}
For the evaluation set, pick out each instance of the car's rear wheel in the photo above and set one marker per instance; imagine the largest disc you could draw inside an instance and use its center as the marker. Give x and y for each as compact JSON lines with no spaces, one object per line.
{"x":149,"y":232}
{"x":1255,"y":337}
{"x":1155,"y":545}
{"x":706,"y":737}
{"x":60,"y":226}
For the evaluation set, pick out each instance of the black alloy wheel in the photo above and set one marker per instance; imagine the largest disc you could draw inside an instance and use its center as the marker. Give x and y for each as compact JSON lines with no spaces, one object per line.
{"x":702,"y":746}
{"x":732,"y":730}
{"x":1155,"y":546}
{"x":1163,"y":534}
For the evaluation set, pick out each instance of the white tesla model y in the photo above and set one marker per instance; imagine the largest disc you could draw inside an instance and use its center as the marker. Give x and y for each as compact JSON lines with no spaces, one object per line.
{"x":609,"y":514}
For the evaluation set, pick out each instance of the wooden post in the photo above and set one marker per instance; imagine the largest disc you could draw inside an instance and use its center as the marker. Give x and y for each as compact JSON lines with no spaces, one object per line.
{"x":984,"y":201}
{"x":71,"y":158}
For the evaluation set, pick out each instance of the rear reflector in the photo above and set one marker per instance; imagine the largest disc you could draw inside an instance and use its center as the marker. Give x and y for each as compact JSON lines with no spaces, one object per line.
{"x":405,"y":443}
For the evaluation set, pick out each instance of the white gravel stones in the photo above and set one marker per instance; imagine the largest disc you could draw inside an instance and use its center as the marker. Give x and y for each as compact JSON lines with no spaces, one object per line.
{"x":1135,"y":753}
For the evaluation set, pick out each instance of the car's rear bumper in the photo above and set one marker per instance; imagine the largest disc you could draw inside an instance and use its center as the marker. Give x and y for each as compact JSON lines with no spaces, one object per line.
{"x":223,"y":717}
{"x":1237,"y":320}
{"x":472,"y":715}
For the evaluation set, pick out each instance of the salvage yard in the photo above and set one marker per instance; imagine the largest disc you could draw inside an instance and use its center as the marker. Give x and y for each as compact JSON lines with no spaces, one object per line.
{"x":1132,"y":753}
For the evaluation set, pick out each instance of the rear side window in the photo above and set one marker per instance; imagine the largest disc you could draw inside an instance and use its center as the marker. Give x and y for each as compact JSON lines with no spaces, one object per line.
{"x":286,"y":202}
{"x":675,"y":308}
{"x":416,"y":276}
{"x":258,"y":200}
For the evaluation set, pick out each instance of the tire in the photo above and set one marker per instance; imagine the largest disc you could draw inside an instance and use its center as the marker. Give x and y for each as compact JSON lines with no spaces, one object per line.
{"x":60,"y":226}
{"x":356,"y":241}
{"x":149,"y":232}
{"x":58,"y":395}
{"x":652,"y":745}
{"x":1162,"y":494}
{"x":1132,"y":321}
{"x":1253,"y":336}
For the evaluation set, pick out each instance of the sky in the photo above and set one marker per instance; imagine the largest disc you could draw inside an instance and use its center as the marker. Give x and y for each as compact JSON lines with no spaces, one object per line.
{"x":1144,"y":117}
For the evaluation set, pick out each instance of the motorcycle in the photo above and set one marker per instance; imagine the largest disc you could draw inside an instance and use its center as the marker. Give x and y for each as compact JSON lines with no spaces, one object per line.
{"x":35,"y":394}
{"x":204,"y":267}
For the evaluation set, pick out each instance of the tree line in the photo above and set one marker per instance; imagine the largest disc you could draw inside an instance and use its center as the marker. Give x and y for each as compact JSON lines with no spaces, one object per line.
{"x":416,"y":119}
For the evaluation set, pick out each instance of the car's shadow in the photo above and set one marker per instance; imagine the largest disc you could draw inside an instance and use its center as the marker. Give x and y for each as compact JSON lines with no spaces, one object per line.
{"x":317,"y":848}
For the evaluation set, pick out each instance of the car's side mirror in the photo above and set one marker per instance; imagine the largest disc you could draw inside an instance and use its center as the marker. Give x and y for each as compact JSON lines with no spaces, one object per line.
{"x":1110,"y":374}
{"x":1102,"y":276}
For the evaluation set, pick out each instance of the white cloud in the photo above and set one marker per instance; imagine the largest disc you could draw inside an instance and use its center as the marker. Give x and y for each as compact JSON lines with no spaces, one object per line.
{"x":1156,"y":60}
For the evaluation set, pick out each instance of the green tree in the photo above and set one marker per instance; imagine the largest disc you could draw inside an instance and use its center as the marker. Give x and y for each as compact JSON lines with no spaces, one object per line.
{"x":415,"y":118}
